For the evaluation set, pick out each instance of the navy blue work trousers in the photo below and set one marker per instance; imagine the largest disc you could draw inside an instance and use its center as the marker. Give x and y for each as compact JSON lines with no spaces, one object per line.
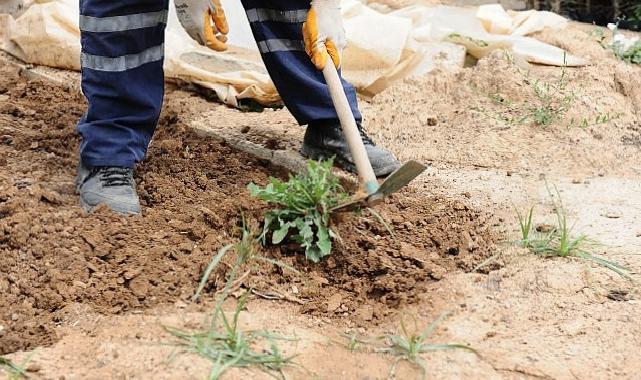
{"x":122,"y":74}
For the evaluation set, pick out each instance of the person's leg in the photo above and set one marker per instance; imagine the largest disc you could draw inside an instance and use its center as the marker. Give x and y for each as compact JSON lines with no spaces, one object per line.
{"x":277,"y":27}
{"x":122,"y":79}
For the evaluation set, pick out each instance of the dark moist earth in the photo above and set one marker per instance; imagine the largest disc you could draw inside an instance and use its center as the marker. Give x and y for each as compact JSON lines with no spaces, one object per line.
{"x":193,"y":190}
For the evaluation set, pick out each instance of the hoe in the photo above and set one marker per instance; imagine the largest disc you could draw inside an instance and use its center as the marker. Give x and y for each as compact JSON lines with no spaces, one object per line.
{"x":370,"y":192}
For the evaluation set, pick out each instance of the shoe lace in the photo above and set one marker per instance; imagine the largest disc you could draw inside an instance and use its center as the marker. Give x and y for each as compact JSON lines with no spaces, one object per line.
{"x":366,"y":139}
{"x":115,"y":176}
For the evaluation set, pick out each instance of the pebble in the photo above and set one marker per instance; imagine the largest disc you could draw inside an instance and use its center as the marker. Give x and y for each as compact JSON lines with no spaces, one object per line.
{"x":334,"y":302}
{"x":612,"y":215}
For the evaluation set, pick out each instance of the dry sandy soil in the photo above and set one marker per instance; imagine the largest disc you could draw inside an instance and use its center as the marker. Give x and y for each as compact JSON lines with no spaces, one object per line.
{"x":87,"y":296}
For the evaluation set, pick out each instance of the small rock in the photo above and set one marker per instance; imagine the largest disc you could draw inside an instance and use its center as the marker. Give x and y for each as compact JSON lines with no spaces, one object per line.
{"x":577,"y":181}
{"x":438,"y":272}
{"x":131,"y":273}
{"x":466,"y":242}
{"x":543,"y":227}
{"x":294,"y":289}
{"x":430,"y":120}
{"x":619,"y":295}
{"x":139,"y":286}
{"x":365,"y":312}
{"x":459,"y":206}
{"x":34,"y":367}
{"x":334,"y":302}
{"x":612,"y":214}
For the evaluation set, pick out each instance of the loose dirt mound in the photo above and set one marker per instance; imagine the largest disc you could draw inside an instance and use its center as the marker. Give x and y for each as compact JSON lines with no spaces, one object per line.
{"x":484,"y":116}
{"x":193,"y":189}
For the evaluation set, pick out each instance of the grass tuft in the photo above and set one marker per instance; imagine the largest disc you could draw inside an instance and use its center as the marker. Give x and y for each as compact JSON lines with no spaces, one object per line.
{"x":407,"y":346}
{"x":560,"y":241}
{"x":626,"y":52}
{"x":223,"y":342}
{"x":247,"y":251}
{"x":227,"y":346}
{"x":15,"y":371}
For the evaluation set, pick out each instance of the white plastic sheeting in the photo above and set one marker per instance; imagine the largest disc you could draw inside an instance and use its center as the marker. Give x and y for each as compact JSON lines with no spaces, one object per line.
{"x":382,"y":48}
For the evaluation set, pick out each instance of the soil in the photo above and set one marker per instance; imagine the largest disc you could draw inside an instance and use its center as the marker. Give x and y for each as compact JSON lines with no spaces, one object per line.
{"x":87,"y":296}
{"x":193,"y":191}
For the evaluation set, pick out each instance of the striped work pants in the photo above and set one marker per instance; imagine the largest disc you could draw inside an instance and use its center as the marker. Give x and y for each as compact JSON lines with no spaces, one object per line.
{"x":122,"y":76}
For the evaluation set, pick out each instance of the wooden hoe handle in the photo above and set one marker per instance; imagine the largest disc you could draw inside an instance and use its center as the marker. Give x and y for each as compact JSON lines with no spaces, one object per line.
{"x":350,"y":130}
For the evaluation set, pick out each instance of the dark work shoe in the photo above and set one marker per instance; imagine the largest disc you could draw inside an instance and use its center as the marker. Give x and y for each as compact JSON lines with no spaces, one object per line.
{"x":326,"y":140}
{"x":109,"y":185}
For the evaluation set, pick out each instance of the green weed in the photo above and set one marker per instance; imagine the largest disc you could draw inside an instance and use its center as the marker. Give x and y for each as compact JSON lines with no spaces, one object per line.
{"x":597,"y":34}
{"x":303,"y":208}
{"x":549,"y":103}
{"x":407,"y":346}
{"x":630,"y":54}
{"x":553,"y":101}
{"x":355,"y":342}
{"x":227,"y":346}
{"x":560,"y":241}
{"x":636,"y":13}
{"x":525,"y":224}
{"x":15,"y":371}
{"x":599,"y":119}
{"x":223,"y":342}
{"x":247,"y":251}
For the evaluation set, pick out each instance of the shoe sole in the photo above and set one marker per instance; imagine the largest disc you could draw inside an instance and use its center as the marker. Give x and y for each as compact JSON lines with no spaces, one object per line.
{"x":89,"y":209}
{"x":319,"y":154}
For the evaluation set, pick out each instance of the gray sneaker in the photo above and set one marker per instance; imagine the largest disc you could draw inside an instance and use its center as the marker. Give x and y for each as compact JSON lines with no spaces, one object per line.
{"x":109,"y":185}
{"x":326,"y":140}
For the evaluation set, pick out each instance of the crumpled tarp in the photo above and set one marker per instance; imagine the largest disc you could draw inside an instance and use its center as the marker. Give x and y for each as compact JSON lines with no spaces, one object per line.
{"x":382,"y":48}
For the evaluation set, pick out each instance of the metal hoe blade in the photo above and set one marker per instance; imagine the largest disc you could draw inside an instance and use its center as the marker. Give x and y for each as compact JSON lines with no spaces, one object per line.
{"x":401,"y":177}
{"x":394,"y":182}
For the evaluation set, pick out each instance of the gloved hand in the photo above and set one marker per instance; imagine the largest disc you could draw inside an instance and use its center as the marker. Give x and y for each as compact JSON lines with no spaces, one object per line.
{"x":204,"y":21}
{"x":323,"y":33}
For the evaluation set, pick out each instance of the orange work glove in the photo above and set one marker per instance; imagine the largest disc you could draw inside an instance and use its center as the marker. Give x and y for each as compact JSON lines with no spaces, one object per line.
{"x":323,"y":33}
{"x":204,"y":21}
